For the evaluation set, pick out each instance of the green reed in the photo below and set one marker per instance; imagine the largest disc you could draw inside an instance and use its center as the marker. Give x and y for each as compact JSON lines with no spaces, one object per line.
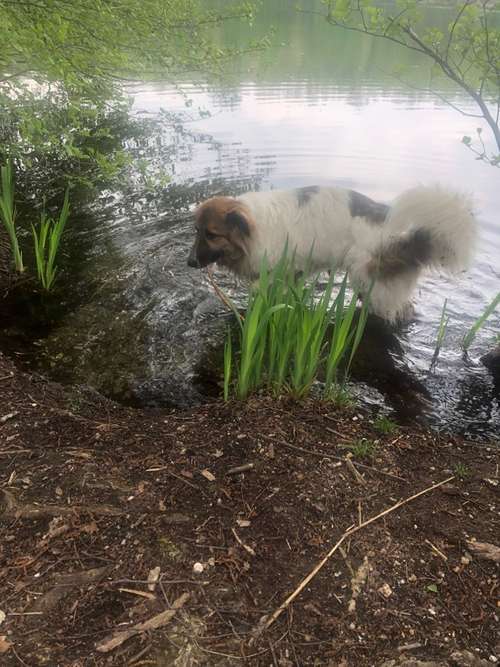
{"x":8,"y":213}
{"x":471,"y":334}
{"x":289,"y":333}
{"x":46,"y":242}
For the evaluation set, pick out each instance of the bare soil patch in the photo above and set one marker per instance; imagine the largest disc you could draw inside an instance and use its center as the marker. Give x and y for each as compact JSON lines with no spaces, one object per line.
{"x":95,"y":497}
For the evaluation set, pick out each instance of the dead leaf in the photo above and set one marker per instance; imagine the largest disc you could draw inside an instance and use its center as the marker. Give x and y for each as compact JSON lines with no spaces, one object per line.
{"x":89,"y":528}
{"x":2,"y":616}
{"x":485,"y":550}
{"x":4,"y":644}
{"x":208,"y":475}
{"x":64,"y":583}
{"x":153,"y":623}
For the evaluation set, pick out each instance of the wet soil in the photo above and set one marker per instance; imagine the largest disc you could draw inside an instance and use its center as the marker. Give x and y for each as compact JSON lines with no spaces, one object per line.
{"x":96,"y":496}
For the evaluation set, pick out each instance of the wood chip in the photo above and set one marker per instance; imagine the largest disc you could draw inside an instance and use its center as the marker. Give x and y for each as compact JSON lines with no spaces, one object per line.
{"x":6,"y":418}
{"x":485,"y":550}
{"x":208,"y":475}
{"x":4,"y":644}
{"x":242,"y":468}
{"x":153,"y":623}
{"x":153,"y":577}
{"x":142,"y":594}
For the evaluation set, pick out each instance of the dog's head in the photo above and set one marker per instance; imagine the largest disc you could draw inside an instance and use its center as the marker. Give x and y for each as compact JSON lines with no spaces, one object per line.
{"x":223,"y":229}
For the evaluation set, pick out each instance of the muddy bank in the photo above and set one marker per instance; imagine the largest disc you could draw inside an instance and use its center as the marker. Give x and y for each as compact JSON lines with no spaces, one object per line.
{"x":96,"y":497}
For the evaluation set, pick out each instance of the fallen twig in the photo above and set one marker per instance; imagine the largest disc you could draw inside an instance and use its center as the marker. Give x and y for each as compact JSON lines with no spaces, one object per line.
{"x":436,"y":550}
{"x":242,"y":544}
{"x":242,"y":468}
{"x":153,"y":623}
{"x":267,"y":621}
{"x":355,"y":473}
{"x":221,"y":294}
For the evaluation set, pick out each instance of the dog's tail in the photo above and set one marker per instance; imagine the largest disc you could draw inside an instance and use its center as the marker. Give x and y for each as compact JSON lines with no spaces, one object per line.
{"x":426,"y":227}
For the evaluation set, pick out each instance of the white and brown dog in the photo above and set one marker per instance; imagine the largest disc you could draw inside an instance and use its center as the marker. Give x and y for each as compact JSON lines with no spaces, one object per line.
{"x":387,"y":245}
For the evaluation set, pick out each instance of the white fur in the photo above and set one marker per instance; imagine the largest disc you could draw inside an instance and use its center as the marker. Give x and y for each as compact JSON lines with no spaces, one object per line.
{"x":325,"y":225}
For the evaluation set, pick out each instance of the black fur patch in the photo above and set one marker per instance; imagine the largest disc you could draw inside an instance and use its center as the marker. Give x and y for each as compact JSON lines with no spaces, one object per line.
{"x":402,"y":255}
{"x":239,"y":221}
{"x":362,"y":206}
{"x":304,"y":195}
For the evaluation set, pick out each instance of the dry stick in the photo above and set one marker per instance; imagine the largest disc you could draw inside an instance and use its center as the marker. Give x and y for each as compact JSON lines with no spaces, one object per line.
{"x":269,"y":621}
{"x":220,"y":293}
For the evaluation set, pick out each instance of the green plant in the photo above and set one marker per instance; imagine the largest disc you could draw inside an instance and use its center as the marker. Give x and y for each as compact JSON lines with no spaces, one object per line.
{"x":384,"y":425}
{"x":471,"y":334}
{"x":363,"y":449}
{"x":441,"y":333}
{"x":8,"y":214}
{"x":340,"y":396}
{"x":46,"y":241}
{"x":228,"y":361}
{"x":343,"y":333}
{"x":461,"y":471}
{"x":284,"y":334}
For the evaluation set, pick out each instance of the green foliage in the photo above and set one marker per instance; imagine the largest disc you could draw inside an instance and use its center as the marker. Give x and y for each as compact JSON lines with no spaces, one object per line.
{"x":64,"y":63}
{"x":461,"y":471}
{"x":363,"y":449}
{"x":46,"y":242}
{"x":285,"y":333}
{"x":8,"y":214}
{"x":384,"y":425}
{"x":471,"y":334}
{"x":91,"y":46}
{"x":467,"y":52}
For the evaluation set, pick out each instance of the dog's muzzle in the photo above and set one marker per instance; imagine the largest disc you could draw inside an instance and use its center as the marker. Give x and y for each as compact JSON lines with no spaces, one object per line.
{"x":193,"y":260}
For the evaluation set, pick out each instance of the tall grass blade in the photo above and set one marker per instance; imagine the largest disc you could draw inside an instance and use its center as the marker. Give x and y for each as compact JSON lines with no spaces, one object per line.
{"x":471,"y":334}
{"x":8,"y":214}
{"x":441,"y":333}
{"x":228,"y":362}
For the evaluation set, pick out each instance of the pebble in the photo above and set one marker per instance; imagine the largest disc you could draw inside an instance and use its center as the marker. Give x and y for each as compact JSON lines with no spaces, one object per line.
{"x":198,"y":568}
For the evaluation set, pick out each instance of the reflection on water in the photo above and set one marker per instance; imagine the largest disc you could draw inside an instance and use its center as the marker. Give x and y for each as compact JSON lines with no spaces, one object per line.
{"x":320,"y":111}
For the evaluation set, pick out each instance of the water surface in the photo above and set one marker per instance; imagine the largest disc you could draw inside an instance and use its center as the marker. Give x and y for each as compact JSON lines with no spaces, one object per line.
{"x":321,"y":108}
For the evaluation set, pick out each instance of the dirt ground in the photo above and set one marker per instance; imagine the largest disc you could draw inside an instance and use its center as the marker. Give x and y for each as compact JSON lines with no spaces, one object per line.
{"x":97,"y":499}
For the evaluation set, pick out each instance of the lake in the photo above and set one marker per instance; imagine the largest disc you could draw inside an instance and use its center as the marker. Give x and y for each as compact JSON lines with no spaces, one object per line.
{"x":320,"y":107}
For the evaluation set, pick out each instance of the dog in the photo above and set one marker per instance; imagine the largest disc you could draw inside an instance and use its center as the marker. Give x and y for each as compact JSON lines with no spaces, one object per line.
{"x":383,"y":247}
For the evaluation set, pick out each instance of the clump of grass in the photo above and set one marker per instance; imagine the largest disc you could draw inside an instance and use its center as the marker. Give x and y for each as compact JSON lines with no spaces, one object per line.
{"x":461,"y":471}
{"x":341,"y":397}
{"x":363,"y":449}
{"x":284,"y":334}
{"x":471,"y":334}
{"x":46,"y":241}
{"x":384,"y":425}
{"x":8,"y":213}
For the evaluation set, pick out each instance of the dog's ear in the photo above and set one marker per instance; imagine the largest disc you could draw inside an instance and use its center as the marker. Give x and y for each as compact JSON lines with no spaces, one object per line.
{"x":237,"y":221}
